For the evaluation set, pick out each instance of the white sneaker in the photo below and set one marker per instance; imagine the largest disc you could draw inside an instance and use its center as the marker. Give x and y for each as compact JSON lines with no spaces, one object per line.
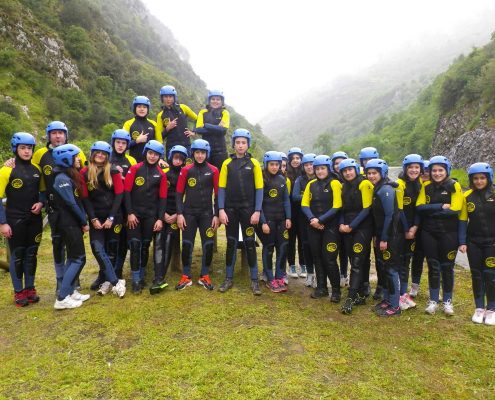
{"x":448,"y":308}
{"x":342,"y":281}
{"x":431,"y":307}
{"x":119,"y":288}
{"x":79,"y":296}
{"x":286,"y":279}
{"x":408,"y":299}
{"x":414,"y":290}
{"x":293,"y":271}
{"x":105,"y":287}
{"x":478,"y":315}
{"x":303,"y":272}
{"x":309,"y":280}
{"x":68,"y":302}
{"x":263,"y":277}
{"x":489,"y":317}
{"x":403,"y":304}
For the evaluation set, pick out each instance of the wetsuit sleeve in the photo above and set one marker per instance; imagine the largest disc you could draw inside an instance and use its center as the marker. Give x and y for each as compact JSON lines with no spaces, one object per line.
{"x":463,"y":220}
{"x":215,"y":128}
{"x":127,"y":127}
{"x":225,"y":119}
{"x":159,"y":124}
{"x":288,"y":214}
{"x":63,"y":186}
{"x":189,"y":113}
{"x":118,"y":190}
{"x":366,"y":189}
{"x":82,"y":158}
{"x":421,"y":202}
{"x":222,"y":184}
{"x":456,"y":200}
{"x":216,"y":176}
{"x":131,"y":159}
{"x":158,"y":132}
{"x":4,"y":181}
{"x":162,"y":194}
{"x":387,"y":197}
{"x":336,"y":187}
{"x":258,"y":185}
{"x":179,"y":190}
{"x":306,"y":202}
{"x":37,"y":156}
{"x":289,"y":185}
{"x":128,"y":185}
{"x":296,"y":191}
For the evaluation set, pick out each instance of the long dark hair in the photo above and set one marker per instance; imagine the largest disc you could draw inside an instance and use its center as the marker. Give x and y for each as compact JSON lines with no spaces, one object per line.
{"x":293,"y":173}
{"x":76,"y":177}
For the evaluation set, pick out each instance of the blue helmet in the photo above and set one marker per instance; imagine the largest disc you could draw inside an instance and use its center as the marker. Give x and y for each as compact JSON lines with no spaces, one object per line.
{"x":339,"y":154}
{"x":481,"y":168}
{"x":272,"y":156}
{"x":56,"y":126}
{"x":284,"y":156}
{"x":367,"y":153}
{"x":121,"y":134}
{"x":168,"y":90}
{"x":241,"y":133}
{"x":295,"y":150}
{"x":442,"y":161}
{"x":426,"y":164}
{"x":177,"y":149}
{"x":100,"y":145}
{"x":378,"y":164}
{"x":155,"y":146}
{"x":322,"y":160}
{"x":413,"y":159}
{"x":214,"y":92}
{"x":308,"y":158}
{"x":349,"y":163}
{"x":201,"y":144}
{"x":63,"y":156}
{"x":140,"y":100}
{"x":21,"y":138}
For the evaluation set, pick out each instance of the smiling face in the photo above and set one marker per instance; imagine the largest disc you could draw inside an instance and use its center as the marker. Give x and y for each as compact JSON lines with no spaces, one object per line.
{"x":283,"y":167}
{"x":480,"y":181}
{"x":100,"y":157}
{"x":295,"y":160}
{"x":199,"y":156}
{"x":336,"y":164}
{"x":141,"y":110}
{"x":152,"y":157}
{"x":308,"y":168}
{"x":373,"y":175}
{"x":57,"y":138}
{"x":177,"y":160}
{"x":413,"y":171}
{"x":215,"y":102}
{"x":349,"y":173}
{"x":438,"y":173}
{"x":321,"y":171}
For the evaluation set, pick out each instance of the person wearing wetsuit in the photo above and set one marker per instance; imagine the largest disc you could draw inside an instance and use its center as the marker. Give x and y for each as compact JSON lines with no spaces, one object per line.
{"x":102,"y":195}
{"x":198,"y":183}
{"x":356,"y":227}
{"x":166,"y":239}
{"x":388,"y":233}
{"x":275,"y":221}
{"x":297,"y":194}
{"x":20,"y":220}
{"x":409,"y":186}
{"x":440,"y":202}
{"x":141,"y":128}
{"x":171,"y":121}
{"x":145,"y":196}
{"x":321,"y":204}
{"x":57,"y":134}
{"x":477,"y":237}
{"x":240,"y":198}
{"x":212,"y":124}
{"x":70,"y":221}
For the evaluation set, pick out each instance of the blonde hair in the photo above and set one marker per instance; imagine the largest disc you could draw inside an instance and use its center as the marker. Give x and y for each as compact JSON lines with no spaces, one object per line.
{"x":94,"y":169}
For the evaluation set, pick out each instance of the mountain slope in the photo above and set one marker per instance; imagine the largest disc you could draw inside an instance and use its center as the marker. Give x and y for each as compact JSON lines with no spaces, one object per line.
{"x":84,"y":61}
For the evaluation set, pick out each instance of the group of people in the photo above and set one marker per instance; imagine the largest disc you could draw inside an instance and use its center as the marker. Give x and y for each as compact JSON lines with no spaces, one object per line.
{"x":331,"y":210}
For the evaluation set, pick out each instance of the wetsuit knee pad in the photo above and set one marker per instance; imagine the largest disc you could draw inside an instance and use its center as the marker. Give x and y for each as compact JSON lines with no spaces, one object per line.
{"x":187,"y":249}
{"x":251,"y":251}
{"x":231,"y":249}
{"x":18,"y":257}
{"x":135,"y":256}
{"x":208,"y":252}
{"x":32,"y":259}
{"x":58,"y":249}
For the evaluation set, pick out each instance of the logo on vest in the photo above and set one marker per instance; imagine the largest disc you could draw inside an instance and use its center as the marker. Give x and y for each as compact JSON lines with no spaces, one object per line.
{"x":286,"y":234}
{"x":17,"y":183}
{"x":47,"y":169}
{"x":174,"y":226}
{"x":427,"y":199}
{"x":37,"y":239}
{"x":273,"y":193}
{"x":451,"y":255}
{"x":117,"y":228}
{"x":139,"y":181}
{"x":490,"y":262}
{"x":470,"y":207}
{"x":210,"y":232}
{"x":331,"y":247}
{"x":357,"y":248}
{"x":135,"y":135}
{"x":407,"y":200}
{"x":191,"y":182}
{"x":386,"y":255}
{"x":250,"y":231}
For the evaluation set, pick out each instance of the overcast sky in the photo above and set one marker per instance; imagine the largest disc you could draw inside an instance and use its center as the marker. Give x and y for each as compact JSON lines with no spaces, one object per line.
{"x":262,"y":52}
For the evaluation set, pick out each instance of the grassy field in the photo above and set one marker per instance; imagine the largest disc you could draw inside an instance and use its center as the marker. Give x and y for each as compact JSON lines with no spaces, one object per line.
{"x":196,"y":344}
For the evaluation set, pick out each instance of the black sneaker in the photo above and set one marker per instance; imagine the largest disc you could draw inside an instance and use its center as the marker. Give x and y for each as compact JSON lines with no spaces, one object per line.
{"x":97,"y":282}
{"x":136,"y":287}
{"x":143,"y":283}
{"x":319,"y":293}
{"x":360,"y":300}
{"x":157,"y":286}
{"x":227,"y":284}
{"x":335,"y":298}
{"x":382,"y":305}
{"x":347,"y":306}
{"x":389,"y":312}
{"x":366,"y":289}
{"x":378,"y":293}
{"x":255,"y":287}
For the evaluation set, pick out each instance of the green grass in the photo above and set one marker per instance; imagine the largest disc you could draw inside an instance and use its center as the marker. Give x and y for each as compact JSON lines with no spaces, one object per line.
{"x":196,"y":344}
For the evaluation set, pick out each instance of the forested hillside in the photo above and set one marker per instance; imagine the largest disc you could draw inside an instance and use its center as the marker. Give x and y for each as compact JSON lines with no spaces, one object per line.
{"x":84,"y":61}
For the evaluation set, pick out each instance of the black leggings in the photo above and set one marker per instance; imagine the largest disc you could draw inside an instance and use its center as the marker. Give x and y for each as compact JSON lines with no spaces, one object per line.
{"x":358,"y":244}
{"x":105,"y":246}
{"x":139,"y":241}
{"x":482,"y":264}
{"x":193,"y":223}
{"x":277,"y":240}
{"x":325,"y":250}
{"x":303,"y":229}
{"x":163,"y":247}
{"x":295,"y":233}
